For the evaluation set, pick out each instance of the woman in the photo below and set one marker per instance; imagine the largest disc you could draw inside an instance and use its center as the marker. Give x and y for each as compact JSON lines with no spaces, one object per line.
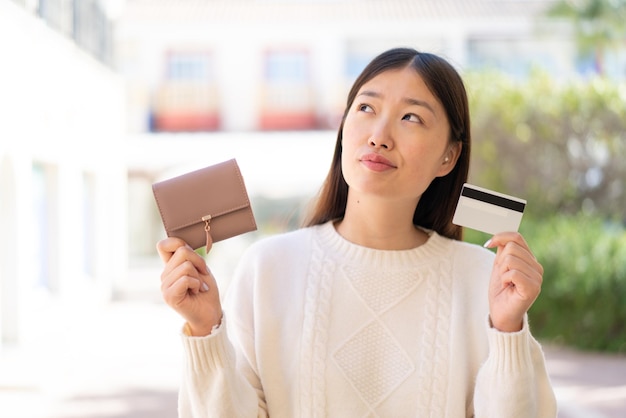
{"x":376,"y":308}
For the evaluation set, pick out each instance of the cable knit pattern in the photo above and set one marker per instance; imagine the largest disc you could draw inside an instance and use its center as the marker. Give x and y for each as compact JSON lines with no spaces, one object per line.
{"x":314,"y":332}
{"x":435,"y":345}
{"x":320,"y":327}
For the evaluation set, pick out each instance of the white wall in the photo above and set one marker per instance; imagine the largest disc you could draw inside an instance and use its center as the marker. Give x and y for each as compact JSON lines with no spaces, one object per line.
{"x":64,"y":112}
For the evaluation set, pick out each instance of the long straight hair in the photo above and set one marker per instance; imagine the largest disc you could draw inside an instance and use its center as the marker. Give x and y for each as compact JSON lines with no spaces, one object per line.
{"x":437,"y":204}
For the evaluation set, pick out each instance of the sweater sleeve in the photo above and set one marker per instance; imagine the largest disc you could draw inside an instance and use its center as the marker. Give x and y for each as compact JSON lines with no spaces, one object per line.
{"x":514,"y":382}
{"x":212,"y":385}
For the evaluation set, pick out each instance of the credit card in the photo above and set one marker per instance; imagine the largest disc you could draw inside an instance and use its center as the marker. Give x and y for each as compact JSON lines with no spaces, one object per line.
{"x":488,"y":211}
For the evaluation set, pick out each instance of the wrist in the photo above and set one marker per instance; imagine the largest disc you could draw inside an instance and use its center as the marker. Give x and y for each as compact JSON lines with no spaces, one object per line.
{"x":506,"y":326}
{"x":203,"y":329}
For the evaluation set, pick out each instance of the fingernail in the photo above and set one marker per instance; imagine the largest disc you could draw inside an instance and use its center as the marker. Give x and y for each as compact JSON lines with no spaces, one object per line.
{"x":487,"y":244}
{"x":205,"y":287}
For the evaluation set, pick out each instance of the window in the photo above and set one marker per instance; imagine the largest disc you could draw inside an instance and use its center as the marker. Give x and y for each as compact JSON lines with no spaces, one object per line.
{"x":516,"y":57}
{"x":189,"y":66}
{"x":187,"y":98}
{"x":287,"y":67}
{"x":286,"y":92}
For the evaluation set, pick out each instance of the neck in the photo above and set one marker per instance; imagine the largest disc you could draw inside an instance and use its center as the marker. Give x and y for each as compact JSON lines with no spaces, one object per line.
{"x":381,"y":224}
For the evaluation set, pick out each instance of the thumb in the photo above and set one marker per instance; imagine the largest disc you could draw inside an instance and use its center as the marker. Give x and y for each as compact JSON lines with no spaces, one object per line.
{"x":168,"y":246}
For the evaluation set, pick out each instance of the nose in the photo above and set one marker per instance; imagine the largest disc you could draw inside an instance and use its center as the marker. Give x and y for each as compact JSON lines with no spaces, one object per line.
{"x":381,"y":137}
{"x":378,"y":143}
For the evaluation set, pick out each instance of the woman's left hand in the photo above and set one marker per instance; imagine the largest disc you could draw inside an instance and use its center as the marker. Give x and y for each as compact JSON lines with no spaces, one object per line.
{"x":515,"y":281}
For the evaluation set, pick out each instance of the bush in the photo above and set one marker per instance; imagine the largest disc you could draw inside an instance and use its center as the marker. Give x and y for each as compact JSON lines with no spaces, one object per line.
{"x":583,"y":301}
{"x":559,"y":145}
{"x":583,"y":298}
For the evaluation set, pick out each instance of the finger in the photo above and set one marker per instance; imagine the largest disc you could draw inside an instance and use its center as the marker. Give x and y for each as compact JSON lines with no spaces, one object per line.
{"x":512,"y":252}
{"x":203,"y":282}
{"x":168,"y":246}
{"x":512,"y":271}
{"x":525,"y":286}
{"x":186,"y":268}
{"x":503,"y":238}
{"x":511,"y":243}
{"x":185,"y":254}
{"x":511,"y":266}
{"x":179,"y":290}
{"x":508,"y":264}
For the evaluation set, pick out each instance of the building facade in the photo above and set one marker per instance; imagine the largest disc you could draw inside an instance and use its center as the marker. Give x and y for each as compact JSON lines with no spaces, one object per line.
{"x":248,"y":65}
{"x":62,"y":181}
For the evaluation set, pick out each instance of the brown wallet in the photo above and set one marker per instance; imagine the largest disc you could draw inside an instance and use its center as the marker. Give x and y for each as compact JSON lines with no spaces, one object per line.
{"x":209,"y":201}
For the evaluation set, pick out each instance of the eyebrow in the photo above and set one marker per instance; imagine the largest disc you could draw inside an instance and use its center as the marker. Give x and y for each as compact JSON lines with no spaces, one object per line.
{"x":408,"y":100}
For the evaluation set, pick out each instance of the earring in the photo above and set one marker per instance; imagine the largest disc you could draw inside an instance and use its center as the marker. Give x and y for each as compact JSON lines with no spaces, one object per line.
{"x":445,"y":160}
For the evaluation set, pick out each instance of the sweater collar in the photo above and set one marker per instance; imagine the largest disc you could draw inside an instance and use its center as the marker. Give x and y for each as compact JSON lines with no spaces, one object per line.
{"x":434,"y":248}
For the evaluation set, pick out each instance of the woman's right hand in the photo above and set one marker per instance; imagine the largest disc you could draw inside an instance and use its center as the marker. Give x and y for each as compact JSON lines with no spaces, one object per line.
{"x":188,"y":286}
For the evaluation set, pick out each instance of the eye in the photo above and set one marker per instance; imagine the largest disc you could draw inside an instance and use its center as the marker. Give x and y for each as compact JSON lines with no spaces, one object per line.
{"x":365,"y":108}
{"x":411,"y":117}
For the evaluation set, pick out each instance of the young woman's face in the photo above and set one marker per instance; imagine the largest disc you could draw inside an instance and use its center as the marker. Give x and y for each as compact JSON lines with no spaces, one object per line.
{"x":395,"y":137}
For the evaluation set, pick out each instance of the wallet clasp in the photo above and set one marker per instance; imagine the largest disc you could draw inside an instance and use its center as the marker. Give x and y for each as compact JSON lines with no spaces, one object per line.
{"x":207,"y":229}
{"x":207,"y":221}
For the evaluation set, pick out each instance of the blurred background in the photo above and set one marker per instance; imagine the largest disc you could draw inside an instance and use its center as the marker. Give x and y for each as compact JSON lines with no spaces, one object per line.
{"x":100,"y":99}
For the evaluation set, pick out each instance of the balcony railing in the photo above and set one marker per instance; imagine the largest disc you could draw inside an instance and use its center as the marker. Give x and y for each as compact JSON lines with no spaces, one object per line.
{"x":83,"y":21}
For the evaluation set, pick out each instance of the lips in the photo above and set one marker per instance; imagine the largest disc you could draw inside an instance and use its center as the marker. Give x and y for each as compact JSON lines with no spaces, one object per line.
{"x":376,"y":162}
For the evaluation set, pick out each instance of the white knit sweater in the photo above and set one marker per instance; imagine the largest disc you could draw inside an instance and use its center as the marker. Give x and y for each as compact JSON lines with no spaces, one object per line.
{"x":316,"y":326}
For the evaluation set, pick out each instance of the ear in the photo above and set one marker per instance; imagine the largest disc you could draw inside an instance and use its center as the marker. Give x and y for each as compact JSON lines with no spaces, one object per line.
{"x":449,"y":159}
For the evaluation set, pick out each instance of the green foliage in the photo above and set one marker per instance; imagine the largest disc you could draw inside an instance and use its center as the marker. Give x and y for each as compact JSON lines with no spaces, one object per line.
{"x":559,"y":145}
{"x":598,"y":24}
{"x":562,"y":147}
{"x":583,"y":298}
{"x":274,"y":215}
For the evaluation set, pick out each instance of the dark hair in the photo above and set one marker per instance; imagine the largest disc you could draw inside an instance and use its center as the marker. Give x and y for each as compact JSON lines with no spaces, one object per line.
{"x":437,"y":205}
